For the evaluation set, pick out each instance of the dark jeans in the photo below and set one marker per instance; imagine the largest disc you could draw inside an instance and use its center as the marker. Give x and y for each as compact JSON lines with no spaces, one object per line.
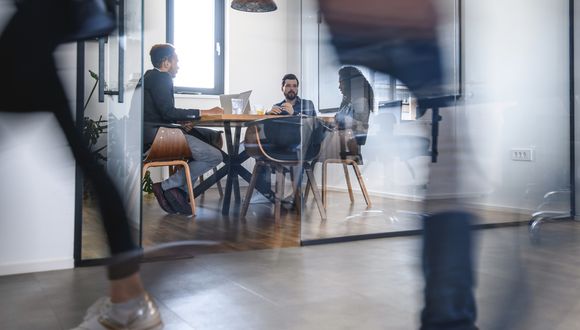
{"x":447,"y":268}
{"x":30,"y":39}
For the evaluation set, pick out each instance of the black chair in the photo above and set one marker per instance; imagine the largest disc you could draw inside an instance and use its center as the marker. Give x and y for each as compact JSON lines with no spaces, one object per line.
{"x":282,"y":143}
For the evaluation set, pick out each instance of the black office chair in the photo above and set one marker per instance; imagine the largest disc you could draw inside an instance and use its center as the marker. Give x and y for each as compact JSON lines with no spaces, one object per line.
{"x":280,"y":143}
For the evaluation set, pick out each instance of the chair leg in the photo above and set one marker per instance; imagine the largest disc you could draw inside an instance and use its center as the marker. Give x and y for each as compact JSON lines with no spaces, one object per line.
{"x":316,"y":193}
{"x":324,"y":191}
{"x":347,"y":178}
{"x":296,"y":189}
{"x":361,"y":182}
{"x":144,"y":171}
{"x":251,"y":187}
{"x":219,"y":184}
{"x":189,"y":188}
{"x":279,"y":192}
{"x":307,"y":190}
{"x":200,"y":181}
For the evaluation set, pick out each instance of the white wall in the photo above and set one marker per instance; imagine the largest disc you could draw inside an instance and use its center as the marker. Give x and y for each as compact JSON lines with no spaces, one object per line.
{"x":515,"y":65}
{"x":37,"y":191}
{"x":516,"y":87}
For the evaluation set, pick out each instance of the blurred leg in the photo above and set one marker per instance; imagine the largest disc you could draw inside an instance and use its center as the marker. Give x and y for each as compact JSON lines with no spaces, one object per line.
{"x":447,"y":268}
{"x":33,"y":49}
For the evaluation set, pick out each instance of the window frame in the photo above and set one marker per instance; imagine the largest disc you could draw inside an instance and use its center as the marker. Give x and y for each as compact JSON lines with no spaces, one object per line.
{"x":219,"y":58}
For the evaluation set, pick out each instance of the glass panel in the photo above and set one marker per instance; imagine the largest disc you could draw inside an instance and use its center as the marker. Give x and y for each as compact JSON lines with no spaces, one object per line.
{"x":501,"y":135}
{"x":119,"y":141}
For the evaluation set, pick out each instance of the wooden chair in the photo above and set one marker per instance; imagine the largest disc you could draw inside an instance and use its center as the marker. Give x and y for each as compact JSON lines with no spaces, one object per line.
{"x":262,"y":146}
{"x":219,"y":144}
{"x":349,"y":155}
{"x":170,"y":149}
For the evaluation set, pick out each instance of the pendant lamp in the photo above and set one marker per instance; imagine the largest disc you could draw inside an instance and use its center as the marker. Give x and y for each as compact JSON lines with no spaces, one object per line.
{"x":254,"y":6}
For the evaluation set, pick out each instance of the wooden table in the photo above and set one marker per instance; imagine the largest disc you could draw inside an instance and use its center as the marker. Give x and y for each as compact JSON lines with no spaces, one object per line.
{"x":233,"y":158}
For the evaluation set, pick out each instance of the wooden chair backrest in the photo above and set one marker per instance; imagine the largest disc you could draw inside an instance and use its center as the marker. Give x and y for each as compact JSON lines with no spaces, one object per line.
{"x":169,"y":144}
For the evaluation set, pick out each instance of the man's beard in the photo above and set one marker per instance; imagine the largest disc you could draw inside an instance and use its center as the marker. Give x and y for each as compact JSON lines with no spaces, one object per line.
{"x":290,"y":96}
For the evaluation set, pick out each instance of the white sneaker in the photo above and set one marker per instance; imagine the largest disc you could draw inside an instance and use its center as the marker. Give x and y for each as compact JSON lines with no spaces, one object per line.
{"x":145,"y":317}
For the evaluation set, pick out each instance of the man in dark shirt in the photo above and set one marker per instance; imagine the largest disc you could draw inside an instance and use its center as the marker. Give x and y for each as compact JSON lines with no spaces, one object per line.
{"x":159,"y":109}
{"x":292,"y":104}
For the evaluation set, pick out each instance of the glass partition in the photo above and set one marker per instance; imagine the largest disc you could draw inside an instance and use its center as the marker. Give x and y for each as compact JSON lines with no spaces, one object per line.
{"x":113,"y":121}
{"x":502,"y":141}
{"x":501,"y":146}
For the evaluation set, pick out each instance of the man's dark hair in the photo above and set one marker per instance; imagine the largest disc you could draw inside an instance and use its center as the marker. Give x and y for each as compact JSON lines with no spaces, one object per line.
{"x":160,"y":53}
{"x":290,"y":76}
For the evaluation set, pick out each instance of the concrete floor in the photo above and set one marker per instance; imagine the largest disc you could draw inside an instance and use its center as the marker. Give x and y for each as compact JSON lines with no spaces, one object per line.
{"x":373,"y":284}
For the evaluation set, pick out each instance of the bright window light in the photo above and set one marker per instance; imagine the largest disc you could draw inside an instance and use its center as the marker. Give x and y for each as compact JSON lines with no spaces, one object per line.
{"x":194,"y":40}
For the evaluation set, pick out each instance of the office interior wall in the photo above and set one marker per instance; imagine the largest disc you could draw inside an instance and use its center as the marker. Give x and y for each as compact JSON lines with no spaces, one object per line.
{"x":515,"y":73}
{"x":516,"y":58}
{"x":38,"y":182}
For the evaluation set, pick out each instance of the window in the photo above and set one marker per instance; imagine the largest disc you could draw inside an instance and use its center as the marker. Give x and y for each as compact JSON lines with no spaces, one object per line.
{"x":196,"y":28}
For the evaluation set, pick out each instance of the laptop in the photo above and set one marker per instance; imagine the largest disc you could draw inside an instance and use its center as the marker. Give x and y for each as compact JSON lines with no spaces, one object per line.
{"x":226,"y":102}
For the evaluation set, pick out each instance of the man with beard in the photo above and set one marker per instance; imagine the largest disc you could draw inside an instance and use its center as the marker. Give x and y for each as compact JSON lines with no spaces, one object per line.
{"x":292,"y":104}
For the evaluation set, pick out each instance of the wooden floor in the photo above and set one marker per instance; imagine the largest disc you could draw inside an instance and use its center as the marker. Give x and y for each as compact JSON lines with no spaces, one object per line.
{"x":258,"y":230}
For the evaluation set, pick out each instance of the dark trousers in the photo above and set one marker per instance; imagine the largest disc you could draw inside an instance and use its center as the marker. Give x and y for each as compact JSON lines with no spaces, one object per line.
{"x":27,"y":45}
{"x":447,"y":269}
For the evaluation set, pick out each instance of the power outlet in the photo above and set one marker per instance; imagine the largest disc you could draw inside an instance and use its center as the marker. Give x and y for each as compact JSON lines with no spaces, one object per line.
{"x":523,"y":154}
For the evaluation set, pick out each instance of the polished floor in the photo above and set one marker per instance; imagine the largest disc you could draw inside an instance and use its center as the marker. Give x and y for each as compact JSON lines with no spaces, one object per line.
{"x":372,"y":284}
{"x":259,"y":230}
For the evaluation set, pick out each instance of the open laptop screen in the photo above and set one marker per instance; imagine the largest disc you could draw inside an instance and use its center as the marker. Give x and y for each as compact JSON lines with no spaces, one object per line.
{"x":226,"y":102}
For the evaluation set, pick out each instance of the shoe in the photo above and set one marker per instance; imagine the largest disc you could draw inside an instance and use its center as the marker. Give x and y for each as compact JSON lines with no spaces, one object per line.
{"x":178,"y":200}
{"x":258,"y":198}
{"x":288,"y":203}
{"x":158,"y":192}
{"x":99,"y":317}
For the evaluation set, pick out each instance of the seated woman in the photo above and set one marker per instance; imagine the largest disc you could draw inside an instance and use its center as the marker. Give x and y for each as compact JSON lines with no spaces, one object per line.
{"x":352,"y":119}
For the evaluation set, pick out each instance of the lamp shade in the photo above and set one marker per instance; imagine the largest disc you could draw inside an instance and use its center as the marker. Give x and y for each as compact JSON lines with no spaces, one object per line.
{"x":254,"y":6}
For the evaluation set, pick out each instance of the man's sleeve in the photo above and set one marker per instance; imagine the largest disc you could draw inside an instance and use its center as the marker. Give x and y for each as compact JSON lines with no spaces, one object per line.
{"x":309,"y":109}
{"x":162,"y":95}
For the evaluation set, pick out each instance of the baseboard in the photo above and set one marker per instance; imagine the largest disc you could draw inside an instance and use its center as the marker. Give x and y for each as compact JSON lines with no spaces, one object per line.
{"x":400,"y":196}
{"x":418,"y":197}
{"x":501,"y":208}
{"x":442,"y":196}
{"x":38,"y":266}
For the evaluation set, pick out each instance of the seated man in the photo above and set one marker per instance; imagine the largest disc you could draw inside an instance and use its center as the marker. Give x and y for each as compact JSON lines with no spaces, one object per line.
{"x":292,"y":104}
{"x":159,"y":108}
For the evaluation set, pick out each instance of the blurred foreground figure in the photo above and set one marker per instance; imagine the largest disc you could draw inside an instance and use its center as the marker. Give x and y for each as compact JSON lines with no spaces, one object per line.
{"x":27,"y":46}
{"x":398,"y":37}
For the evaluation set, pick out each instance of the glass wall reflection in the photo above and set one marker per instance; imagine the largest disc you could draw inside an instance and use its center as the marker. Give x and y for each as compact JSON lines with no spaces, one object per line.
{"x":502,"y":140}
{"x":503,"y":146}
{"x":113,"y":124}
